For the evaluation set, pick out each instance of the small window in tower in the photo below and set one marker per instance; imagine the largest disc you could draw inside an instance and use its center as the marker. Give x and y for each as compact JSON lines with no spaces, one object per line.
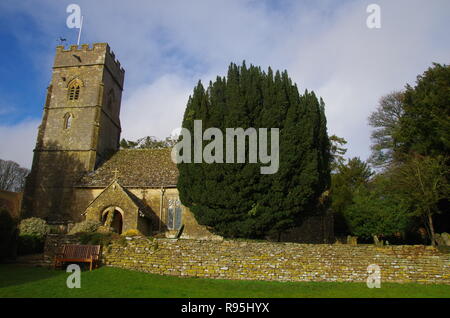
{"x":74,"y":88}
{"x":68,"y":120}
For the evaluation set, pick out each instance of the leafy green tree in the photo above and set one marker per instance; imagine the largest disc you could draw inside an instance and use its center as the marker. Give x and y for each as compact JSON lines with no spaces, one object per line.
{"x":425,"y":124}
{"x":421,"y":183}
{"x":366,"y":205}
{"x":376,"y":211}
{"x":236,"y":200}
{"x":347,"y":179}
{"x":386,"y":122}
{"x":411,"y":141}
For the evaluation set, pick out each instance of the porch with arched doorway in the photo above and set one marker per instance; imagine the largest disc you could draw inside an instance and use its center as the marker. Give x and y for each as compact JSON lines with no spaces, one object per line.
{"x":113,"y":217}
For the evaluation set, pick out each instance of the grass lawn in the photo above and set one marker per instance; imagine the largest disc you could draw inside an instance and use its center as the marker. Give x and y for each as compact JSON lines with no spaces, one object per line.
{"x":113,"y":282}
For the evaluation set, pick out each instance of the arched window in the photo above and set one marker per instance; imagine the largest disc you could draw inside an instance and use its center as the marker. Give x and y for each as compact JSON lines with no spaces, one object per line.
{"x":174,"y":212}
{"x":74,"y":88}
{"x":68,"y":120}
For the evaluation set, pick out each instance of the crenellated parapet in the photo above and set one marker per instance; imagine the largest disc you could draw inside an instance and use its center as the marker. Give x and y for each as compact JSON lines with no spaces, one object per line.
{"x":86,"y":55}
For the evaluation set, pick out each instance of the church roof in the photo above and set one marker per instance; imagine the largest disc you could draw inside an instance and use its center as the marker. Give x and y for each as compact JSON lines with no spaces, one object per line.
{"x":135,"y":168}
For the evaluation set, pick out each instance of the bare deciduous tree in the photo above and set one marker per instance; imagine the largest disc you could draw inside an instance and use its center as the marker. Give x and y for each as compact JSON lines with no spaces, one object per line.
{"x":12,"y":176}
{"x":385,"y":121}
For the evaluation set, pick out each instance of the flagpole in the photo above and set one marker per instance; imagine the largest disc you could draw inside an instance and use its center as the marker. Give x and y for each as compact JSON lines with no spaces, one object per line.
{"x":79,"y":33}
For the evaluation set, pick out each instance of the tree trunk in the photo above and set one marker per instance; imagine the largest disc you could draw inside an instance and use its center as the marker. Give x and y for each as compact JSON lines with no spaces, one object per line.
{"x":430,"y":224}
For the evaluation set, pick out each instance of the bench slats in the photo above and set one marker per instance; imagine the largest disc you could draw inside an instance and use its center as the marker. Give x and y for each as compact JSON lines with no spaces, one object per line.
{"x":78,"y":253}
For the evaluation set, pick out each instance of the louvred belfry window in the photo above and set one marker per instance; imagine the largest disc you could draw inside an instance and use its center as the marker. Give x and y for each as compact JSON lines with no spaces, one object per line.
{"x":74,"y":90}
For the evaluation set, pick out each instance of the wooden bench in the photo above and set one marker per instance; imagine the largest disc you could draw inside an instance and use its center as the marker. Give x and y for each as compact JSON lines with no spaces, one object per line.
{"x":78,"y":254}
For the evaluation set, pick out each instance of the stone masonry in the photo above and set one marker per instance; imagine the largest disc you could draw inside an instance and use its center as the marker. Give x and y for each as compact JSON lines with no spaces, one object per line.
{"x":245,"y":260}
{"x":78,"y":131}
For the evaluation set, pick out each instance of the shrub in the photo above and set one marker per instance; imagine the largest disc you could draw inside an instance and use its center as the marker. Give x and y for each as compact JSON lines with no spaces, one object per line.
{"x":34,"y":227}
{"x":58,"y":229}
{"x":103,"y":239}
{"x":86,"y":226}
{"x":32,"y":233}
{"x":30,"y":244}
{"x":104,"y":229}
{"x":7,"y":229}
{"x":132,"y":232}
{"x":94,"y":238}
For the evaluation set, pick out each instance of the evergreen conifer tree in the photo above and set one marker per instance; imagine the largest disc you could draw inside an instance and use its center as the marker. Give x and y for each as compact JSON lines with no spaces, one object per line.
{"x":236,"y":200}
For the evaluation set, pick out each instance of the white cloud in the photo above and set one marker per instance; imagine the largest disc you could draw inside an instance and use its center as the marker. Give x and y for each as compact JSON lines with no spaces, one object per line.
{"x":166,"y":47}
{"x":18,"y":141}
{"x":352,"y":66}
{"x":155,"y":109}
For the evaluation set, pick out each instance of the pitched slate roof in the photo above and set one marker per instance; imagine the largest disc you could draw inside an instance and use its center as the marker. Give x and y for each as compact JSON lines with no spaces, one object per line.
{"x":136,"y":168}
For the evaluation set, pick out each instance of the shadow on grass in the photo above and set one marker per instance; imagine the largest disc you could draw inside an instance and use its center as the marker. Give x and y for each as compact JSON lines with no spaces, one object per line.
{"x":12,"y":274}
{"x":108,"y":282}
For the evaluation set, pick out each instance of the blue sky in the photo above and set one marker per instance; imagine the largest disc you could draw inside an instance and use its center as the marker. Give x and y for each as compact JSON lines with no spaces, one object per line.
{"x":167,"y":46}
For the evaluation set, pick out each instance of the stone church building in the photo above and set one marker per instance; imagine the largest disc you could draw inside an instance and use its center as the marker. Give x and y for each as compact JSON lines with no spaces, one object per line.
{"x":79,"y":172}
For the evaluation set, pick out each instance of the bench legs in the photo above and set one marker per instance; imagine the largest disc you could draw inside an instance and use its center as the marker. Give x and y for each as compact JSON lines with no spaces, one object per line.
{"x":92,"y":264}
{"x":57,"y":264}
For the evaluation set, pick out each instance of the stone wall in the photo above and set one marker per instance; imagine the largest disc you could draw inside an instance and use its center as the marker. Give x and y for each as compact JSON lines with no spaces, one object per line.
{"x":275,"y":261}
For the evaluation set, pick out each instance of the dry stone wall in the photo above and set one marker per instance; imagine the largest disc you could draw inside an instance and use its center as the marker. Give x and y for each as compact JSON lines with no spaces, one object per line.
{"x":278,"y":261}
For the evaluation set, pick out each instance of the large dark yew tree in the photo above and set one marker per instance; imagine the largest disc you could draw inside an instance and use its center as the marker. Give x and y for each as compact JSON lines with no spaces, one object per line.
{"x":236,"y":200}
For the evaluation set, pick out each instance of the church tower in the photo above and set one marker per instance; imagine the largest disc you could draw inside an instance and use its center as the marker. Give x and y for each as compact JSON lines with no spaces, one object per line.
{"x":80,"y":128}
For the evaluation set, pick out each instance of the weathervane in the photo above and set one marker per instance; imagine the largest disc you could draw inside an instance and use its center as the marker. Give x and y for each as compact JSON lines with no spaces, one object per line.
{"x":61,"y":40}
